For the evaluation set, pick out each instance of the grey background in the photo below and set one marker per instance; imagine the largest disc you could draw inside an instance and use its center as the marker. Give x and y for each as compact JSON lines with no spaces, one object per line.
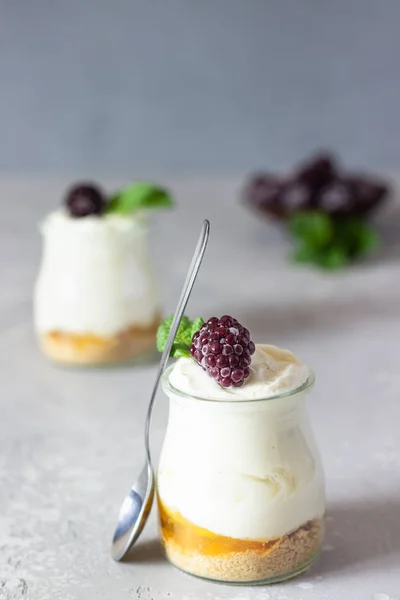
{"x":196,"y":86}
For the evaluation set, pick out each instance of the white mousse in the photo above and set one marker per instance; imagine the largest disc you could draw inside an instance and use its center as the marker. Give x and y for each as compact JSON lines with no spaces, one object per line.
{"x":272,"y":371}
{"x":96,"y":275}
{"x":237,"y":466}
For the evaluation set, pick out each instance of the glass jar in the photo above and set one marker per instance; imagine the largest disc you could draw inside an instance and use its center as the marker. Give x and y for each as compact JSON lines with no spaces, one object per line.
{"x":96,"y":300}
{"x":240,"y":487}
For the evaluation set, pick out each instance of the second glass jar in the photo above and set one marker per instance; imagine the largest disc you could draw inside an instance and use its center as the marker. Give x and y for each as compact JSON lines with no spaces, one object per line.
{"x":96,"y":297}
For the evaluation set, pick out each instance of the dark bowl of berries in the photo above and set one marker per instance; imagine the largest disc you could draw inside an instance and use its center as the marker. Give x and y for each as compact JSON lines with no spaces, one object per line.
{"x":326,"y":208}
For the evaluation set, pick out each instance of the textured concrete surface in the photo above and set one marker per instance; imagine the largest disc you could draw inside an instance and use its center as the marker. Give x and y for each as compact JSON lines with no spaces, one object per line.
{"x":71,"y":440}
{"x":201,"y":86}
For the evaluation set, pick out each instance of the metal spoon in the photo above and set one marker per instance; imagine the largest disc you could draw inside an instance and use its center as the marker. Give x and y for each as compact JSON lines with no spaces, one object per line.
{"x":137,"y":504}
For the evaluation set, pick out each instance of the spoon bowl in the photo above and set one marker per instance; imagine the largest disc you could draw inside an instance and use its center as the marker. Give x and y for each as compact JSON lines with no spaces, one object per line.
{"x":134,"y":513}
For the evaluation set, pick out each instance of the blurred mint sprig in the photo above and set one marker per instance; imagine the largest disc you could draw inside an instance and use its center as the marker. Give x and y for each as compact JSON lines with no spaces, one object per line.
{"x":183,"y":338}
{"x":137,"y":196}
{"x":330,"y":242}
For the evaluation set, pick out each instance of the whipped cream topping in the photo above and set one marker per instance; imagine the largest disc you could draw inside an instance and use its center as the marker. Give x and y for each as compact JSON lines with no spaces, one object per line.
{"x":272,"y":371}
{"x":96,"y":275}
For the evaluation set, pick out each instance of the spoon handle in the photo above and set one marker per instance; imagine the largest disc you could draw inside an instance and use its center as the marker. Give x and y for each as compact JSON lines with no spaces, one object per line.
{"x":179,"y":312}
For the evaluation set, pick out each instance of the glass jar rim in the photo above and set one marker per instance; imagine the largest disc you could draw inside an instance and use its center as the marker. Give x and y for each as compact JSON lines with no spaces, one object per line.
{"x":167,"y":386}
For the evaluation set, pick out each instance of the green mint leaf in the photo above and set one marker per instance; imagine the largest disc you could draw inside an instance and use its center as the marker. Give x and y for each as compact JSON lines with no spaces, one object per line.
{"x":368,"y":240}
{"x":162,"y":333}
{"x":183,"y":338}
{"x":139,"y":196}
{"x":333,"y":258}
{"x":325,"y":258}
{"x":359,"y":237}
{"x":197,"y":324}
{"x":328,"y":242}
{"x":178,"y":352}
{"x":314,"y":228}
{"x":305,"y":254}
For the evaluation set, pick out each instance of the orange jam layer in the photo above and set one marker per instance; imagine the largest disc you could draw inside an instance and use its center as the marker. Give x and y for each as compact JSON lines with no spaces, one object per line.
{"x":81,"y":341}
{"x":88,"y":341}
{"x":177,"y":530}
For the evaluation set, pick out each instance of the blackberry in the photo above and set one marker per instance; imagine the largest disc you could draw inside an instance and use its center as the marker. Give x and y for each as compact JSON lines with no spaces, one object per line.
{"x":297,"y":196}
{"x":337,"y":198}
{"x":223,"y":348}
{"x":352,"y":196}
{"x":317,"y":172}
{"x":368,"y":194}
{"x":264,"y":193}
{"x":85,"y":199}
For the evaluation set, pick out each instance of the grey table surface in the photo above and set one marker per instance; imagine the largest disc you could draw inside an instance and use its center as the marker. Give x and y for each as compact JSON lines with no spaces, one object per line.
{"x":71,"y":440}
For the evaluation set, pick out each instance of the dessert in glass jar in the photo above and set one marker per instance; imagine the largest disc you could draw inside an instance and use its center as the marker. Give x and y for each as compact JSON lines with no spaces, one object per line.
{"x":96,"y":300}
{"x":240,"y":482}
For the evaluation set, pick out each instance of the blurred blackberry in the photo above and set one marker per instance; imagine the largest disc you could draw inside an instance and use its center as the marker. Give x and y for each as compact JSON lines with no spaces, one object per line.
{"x":297,"y":196}
{"x":337,"y":198}
{"x":85,"y":199}
{"x":368,"y":194}
{"x":317,"y":172}
{"x":264,"y":192}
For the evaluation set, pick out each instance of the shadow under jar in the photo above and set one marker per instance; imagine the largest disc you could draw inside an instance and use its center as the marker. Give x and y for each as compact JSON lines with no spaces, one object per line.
{"x":96,"y":300}
{"x":240,"y":487}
